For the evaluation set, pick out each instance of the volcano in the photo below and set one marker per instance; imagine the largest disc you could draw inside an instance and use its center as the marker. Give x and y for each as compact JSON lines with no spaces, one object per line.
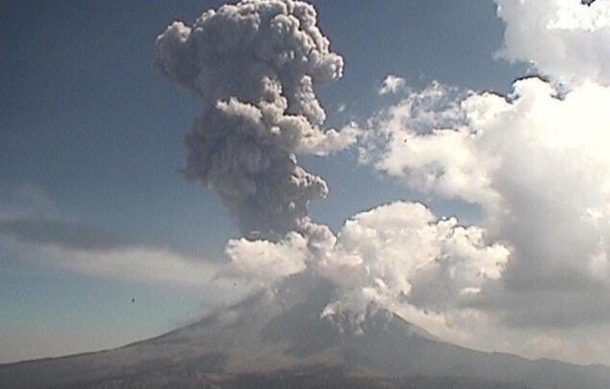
{"x":279,"y":339}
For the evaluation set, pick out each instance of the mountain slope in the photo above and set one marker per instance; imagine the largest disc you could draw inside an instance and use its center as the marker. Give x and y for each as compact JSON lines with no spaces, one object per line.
{"x":278,"y":339}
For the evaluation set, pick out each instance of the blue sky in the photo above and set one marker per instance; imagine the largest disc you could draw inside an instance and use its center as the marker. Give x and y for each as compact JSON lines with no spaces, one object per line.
{"x":91,"y":131}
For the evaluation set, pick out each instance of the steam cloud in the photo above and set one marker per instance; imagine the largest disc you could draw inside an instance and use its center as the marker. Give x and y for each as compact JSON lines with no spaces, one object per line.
{"x":256,"y":65}
{"x":539,"y":256}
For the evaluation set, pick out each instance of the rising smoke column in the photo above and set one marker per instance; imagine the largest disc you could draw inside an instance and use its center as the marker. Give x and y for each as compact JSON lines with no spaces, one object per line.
{"x":255,"y":66}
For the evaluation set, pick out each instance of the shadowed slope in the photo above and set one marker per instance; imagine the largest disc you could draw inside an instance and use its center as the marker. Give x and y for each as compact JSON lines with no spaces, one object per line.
{"x":278,"y":339}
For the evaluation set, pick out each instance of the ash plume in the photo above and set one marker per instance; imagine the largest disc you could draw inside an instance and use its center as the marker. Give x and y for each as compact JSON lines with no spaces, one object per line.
{"x":256,"y":65}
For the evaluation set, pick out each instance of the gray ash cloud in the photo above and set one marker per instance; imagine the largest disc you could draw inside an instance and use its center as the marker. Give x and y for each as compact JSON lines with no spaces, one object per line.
{"x":256,"y":65}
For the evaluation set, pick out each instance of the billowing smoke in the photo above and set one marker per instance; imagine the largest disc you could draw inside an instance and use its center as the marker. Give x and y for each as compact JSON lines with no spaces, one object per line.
{"x":395,"y":254}
{"x":256,"y":65}
{"x":534,"y":162}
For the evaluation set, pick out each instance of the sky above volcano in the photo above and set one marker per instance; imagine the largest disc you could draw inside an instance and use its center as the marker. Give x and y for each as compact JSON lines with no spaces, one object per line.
{"x":469,"y":172}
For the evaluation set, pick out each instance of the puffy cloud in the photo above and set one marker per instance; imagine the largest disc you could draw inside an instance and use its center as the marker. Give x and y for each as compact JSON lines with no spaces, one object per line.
{"x":533,"y":161}
{"x":536,"y":162}
{"x":399,"y":142}
{"x":396,"y":254}
{"x":255,"y":65}
{"x":392,"y":84}
{"x":563,"y":39}
{"x":261,"y":261}
{"x":401,"y":253}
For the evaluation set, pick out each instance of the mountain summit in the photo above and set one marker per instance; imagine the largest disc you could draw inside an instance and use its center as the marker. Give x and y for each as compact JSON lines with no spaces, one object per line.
{"x":279,"y":339}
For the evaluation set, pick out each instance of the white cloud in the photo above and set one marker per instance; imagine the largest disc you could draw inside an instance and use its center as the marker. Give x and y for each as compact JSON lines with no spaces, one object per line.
{"x":395,"y":255}
{"x":401,"y":252}
{"x":392,"y":84}
{"x":537,"y":164}
{"x":563,"y":39}
{"x":261,"y":261}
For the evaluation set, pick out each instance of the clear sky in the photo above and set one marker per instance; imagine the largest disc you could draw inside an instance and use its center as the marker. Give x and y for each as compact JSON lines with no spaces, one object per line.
{"x":91,"y":152}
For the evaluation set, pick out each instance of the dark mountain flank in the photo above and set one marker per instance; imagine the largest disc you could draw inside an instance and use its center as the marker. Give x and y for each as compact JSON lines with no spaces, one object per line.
{"x":278,"y":339}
